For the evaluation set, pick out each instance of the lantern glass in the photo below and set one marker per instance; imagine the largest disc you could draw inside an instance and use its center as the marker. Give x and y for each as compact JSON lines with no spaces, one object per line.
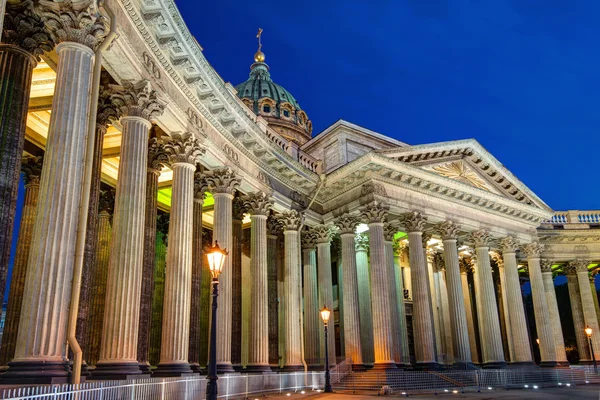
{"x":325,"y":314}
{"x":588,"y":331}
{"x":216,"y":259}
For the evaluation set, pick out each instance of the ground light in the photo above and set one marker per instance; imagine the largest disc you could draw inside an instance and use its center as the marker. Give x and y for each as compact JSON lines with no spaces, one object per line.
{"x":325,"y":314}
{"x":588,"y":332}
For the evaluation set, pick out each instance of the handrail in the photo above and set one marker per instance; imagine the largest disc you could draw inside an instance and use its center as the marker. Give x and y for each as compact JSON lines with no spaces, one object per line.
{"x":574,"y":217}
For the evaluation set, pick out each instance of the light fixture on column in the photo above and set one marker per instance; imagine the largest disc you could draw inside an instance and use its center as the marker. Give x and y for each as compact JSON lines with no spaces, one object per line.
{"x":216,"y":260}
{"x":588,"y":332}
{"x":325,"y":314}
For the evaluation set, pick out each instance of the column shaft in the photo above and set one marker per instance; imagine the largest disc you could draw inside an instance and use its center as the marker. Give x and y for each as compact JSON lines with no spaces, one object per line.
{"x":506,"y":314}
{"x":589,"y":311}
{"x":326,"y":293}
{"x":352,"y":343}
{"x":364,"y":305}
{"x":196,"y":296}
{"x":158,"y":297}
{"x":273,"y":300}
{"x":312,"y":333}
{"x":554,"y":319}
{"x":583,"y":348}
{"x":405,"y":351}
{"x":466,"y":293}
{"x":393,"y":298}
{"x":236,"y":282}
{"x":438,"y":343}
{"x":542,"y":317}
{"x":293,"y":351}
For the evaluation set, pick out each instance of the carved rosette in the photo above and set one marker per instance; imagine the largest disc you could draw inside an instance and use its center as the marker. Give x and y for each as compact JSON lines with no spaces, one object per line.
{"x":323,"y":233}
{"x":447,"y":230}
{"x":509,"y":245}
{"x":136,"y":100}
{"x":32,"y":170}
{"x":200,"y":186}
{"x":68,"y":22}
{"x":389,"y":230}
{"x":414,"y":221}
{"x":157,"y":156}
{"x":222,"y":180}
{"x":273,"y":226}
{"x":25,"y":29}
{"x":347,"y":224}
{"x":258,"y":203}
{"x":309,"y":240}
{"x":533,"y":249}
{"x":361,"y":242}
{"x":580,"y":265}
{"x":184,"y":148}
{"x":481,"y":238}
{"x":290,"y":220}
{"x":374,"y":213}
{"x":546,"y":265}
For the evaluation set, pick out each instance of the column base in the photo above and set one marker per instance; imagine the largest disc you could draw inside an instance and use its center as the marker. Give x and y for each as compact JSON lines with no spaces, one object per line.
{"x":257,"y":368}
{"x":494,"y":365}
{"x":196,"y":368}
{"x":463,"y":365}
{"x":293,"y":368}
{"x":426,"y":366}
{"x":173,"y":369}
{"x":36,"y":372}
{"x":359,"y":367}
{"x":562,"y":364}
{"x":522,"y":364}
{"x":315,"y":367}
{"x":109,"y":371}
{"x":225,"y":368}
{"x":145,"y":367}
{"x":237,"y":367}
{"x":384,"y":366}
{"x":586,"y":362}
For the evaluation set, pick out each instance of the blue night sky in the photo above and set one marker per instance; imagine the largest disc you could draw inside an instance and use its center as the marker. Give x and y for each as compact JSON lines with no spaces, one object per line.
{"x":518,"y":76}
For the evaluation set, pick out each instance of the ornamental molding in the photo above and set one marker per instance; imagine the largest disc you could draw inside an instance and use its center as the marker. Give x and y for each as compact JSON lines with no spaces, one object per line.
{"x":569,"y":237}
{"x":580,"y":265}
{"x":24,"y":28}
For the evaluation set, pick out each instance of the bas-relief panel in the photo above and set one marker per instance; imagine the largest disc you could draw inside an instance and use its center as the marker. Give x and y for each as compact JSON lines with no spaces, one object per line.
{"x":460,"y":171}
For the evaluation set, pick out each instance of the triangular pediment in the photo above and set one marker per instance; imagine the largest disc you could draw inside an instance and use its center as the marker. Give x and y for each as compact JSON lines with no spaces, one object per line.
{"x":466,"y":161}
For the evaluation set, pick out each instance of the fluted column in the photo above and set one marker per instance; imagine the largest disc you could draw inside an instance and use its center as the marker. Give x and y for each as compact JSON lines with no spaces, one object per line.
{"x":489,"y":321}
{"x":32,"y":168}
{"x":423,"y":330}
{"x":273,"y":229}
{"x":594,"y":291}
{"x":583,"y":347}
{"x":404,"y":362}
{"x":364,"y":298}
{"x":505,"y":315}
{"x":515,"y":308}
{"x":553,"y":315}
{"x":312,"y":333}
{"x":543,"y":320}
{"x":223,"y":183}
{"x":184,"y":153}
{"x":456,"y":302}
{"x":389,"y":230}
{"x":352,"y":342}
{"x":323,"y":238}
{"x":587,"y":302}
{"x":238,"y":243}
{"x":40,"y":351}
{"x":158,"y":296}
{"x":291,"y":289}
{"x":465,"y":267}
{"x":23,"y":41}
{"x":258,"y":206}
{"x":375,"y":214}
{"x":118,"y":355}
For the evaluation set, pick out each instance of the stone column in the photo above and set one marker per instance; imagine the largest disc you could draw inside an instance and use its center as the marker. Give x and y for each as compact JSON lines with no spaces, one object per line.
{"x":118,"y":355}
{"x":273,"y":228}
{"x":456,"y":302}
{"x":594,"y":291}
{"x":184,"y":153}
{"x":553,"y":315}
{"x":587,"y":302}
{"x":433,"y":301}
{"x":40,"y":354}
{"x":293,"y":353}
{"x":323,"y":238}
{"x":583,"y":347}
{"x":423,"y":330}
{"x":543,"y":321}
{"x":465,"y":268}
{"x":504,"y":314}
{"x":375,"y":214}
{"x":239,"y":242}
{"x":518,"y":324}
{"x":32,"y":168}
{"x":352,"y":341}
{"x":389,"y":230}
{"x":158,"y":296}
{"x":223,"y":183}
{"x":402,"y":325}
{"x":312,"y":333}
{"x":23,"y":41}
{"x":258,"y":206}
{"x":197,"y":271}
{"x":444,"y":312}
{"x":364,"y":298}
{"x":489,"y":321}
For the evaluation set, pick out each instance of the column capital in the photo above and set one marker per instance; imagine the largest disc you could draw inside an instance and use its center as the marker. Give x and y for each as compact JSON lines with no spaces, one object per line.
{"x":157,"y":155}
{"x":414,"y":221}
{"x":107,"y":112}
{"x":389,"y":230}
{"x":465,"y":265}
{"x":448,"y":230}
{"x":308,"y":239}
{"x":107,"y":200}
{"x":200,"y":186}
{"x":425,"y":237}
{"x":32,"y":169}
{"x":290,"y":220}
{"x":222,"y":180}
{"x":25,"y":29}
{"x":347,"y":224}
{"x":497,"y":257}
{"x":257,"y":203}
{"x":361,"y":242}
{"x":184,"y":148}
{"x":481,"y":238}
{"x":533,"y":249}
{"x":546,"y":265}
{"x":323,"y":233}
{"x":399,"y":246}
{"x":579,"y":265}
{"x":438,"y":262}
{"x":273,"y":226}
{"x":509,"y":245}
{"x":374,"y":212}
{"x":238,"y":208}
{"x":136,"y":100}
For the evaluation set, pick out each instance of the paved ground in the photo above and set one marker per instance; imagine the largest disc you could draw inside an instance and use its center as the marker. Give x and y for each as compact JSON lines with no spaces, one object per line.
{"x":591,"y":392}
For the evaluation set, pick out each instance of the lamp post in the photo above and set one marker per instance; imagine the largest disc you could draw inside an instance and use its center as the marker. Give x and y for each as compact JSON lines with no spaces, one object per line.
{"x":325,"y":314}
{"x":588,"y":332}
{"x":216,"y":260}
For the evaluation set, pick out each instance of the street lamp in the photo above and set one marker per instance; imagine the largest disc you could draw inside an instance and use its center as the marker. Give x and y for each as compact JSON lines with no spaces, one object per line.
{"x":325,"y":314}
{"x":588,"y":332}
{"x":216,"y":260}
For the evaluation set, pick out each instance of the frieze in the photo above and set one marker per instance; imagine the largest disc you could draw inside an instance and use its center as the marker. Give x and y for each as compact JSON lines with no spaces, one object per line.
{"x":151,"y":66}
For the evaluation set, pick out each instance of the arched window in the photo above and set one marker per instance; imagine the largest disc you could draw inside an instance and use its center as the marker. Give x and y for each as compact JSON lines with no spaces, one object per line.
{"x":267,"y":108}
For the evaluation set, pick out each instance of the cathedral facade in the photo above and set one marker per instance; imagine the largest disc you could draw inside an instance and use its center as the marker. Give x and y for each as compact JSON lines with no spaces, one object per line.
{"x":136,"y":155}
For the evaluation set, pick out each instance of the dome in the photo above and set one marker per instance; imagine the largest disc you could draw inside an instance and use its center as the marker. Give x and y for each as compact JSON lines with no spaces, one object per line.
{"x":271,"y":101}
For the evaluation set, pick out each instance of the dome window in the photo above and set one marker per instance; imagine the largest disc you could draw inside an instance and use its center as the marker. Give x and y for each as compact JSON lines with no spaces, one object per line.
{"x":267,"y":108}
{"x":286,"y":113}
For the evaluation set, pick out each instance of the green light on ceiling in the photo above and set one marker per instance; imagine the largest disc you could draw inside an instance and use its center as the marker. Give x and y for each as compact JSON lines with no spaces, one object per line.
{"x":164,"y":197}
{"x":400,"y":235}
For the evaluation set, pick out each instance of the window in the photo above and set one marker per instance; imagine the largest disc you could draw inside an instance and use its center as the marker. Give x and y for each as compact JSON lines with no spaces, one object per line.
{"x":286,"y":113}
{"x":267,"y":108}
